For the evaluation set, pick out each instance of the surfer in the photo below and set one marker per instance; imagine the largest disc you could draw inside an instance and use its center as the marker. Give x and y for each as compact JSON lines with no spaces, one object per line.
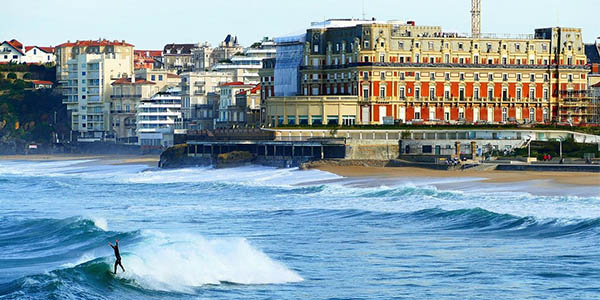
{"x":117,"y":255}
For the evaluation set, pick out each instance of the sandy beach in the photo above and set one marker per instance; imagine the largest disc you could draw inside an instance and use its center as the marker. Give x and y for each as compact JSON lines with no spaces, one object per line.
{"x":150,"y":160}
{"x":574,"y":178}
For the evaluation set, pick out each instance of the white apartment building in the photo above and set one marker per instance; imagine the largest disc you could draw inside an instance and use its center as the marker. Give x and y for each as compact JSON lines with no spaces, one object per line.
{"x":245,"y":67}
{"x":86,"y":70}
{"x":158,"y":119}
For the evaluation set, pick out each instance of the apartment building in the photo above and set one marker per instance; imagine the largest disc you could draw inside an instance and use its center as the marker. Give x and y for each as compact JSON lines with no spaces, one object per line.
{"x":178,"y":57}
{"x":163,"y":78}
{"x":85,"y":71}
{"x":200,"y":97}
{"x":127,"y":93}
{"x":245,"y":65}
{"x":204,"y":57}
{"x":369,"y":72}
{"x":230,"y":114}
{"x":158,"y":119}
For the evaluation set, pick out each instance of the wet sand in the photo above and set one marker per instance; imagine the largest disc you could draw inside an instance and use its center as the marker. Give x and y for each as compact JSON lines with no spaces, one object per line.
{"x":493,"y":176}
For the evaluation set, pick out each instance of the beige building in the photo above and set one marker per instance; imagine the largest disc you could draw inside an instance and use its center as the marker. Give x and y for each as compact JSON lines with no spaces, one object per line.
{"x":126,"y":95}
{"x":163,"y":79}
{"x":85,"y":71}
{"x":231,"y":113}
{"x":403,"y":73}
{"x":198,"y":107}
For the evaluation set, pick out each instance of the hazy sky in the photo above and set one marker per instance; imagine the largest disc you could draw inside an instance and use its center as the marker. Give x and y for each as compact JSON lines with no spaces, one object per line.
{"x":150,"y":24}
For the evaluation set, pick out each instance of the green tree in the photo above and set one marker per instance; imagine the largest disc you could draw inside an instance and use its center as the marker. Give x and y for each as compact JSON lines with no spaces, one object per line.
{"x":11,"y":75}
{"x":27,"y":76}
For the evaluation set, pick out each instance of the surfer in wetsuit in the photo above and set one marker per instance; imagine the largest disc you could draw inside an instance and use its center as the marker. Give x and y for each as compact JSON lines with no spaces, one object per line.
{"x":117,"y":255}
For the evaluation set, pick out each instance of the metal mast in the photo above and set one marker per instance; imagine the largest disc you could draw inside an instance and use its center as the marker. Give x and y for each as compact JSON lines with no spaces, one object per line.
{"x":475,"y":18}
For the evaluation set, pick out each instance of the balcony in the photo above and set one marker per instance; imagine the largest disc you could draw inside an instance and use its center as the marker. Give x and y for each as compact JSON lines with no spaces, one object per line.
{"x":125,"y":96}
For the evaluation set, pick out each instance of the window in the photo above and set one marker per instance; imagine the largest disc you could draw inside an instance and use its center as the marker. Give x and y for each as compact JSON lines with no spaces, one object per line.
{"x":518,"y":93}
{"x":382,"y":57}
{"x":504,"y":61}
{"x":382,"y":75}
{"x":504,"y":114}
{"x":532,"y":77}
{"x":519,"y":77}
{"x":417,"y":58}
{"x":505,"y":94}
{"x":417,"y":76}
{"x":476,"y":76}
{"x":546,"y":77}
{"x":417,"y":93}
{"x":417,"y":115}
{"x":532,"y":114}
{"x":570,"y":77}
{"x":401,"y":75}
{"x":461,"y":76}
{"x":531,"y":94}
{"x":504,"y":77}
{"x":160,"y":77}
{"x":432,"y":76}
{"x":402,"y":93}
{"x":447,"y":76}
{"x":460,"y":46}
{"x":461,"y":94}
{"x":382,"y":92}
{"x":447,"y":93}
{"x":447,"y":58}
{"x":431,"y":93}
{"x":366,"y":58}
{"x":316,"y":48}
{"x":401,"y":45}
{"x":490,"y":93}
{"x":546,"y":95}
{"x":476,"y":59}
{"x":366,"y":93}
{"x":430,"y":45}
{"x":476,"y":93}
{"x":431,"y":60}
{"x":518,"y":47}
{"x":153,"y":77}
{"x":82,"y":73}
{"x":461,"y":114}
{"x":366,"y":44}
{"x":490,"y":77}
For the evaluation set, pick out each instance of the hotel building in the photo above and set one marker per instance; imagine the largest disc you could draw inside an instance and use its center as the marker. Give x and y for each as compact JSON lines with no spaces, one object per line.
{"x":368,"y":72}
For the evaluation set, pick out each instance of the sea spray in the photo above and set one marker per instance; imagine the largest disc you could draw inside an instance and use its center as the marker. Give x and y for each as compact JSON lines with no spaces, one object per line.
{"x":181,"y":262}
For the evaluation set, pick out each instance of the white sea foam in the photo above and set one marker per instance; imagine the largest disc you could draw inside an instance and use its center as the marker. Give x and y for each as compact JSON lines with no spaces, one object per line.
{"x":100,"y":223}
{"x":183,"y":262}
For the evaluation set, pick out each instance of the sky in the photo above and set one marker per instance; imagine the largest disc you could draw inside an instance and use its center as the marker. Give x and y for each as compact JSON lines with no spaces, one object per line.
{"x":150,"y":24}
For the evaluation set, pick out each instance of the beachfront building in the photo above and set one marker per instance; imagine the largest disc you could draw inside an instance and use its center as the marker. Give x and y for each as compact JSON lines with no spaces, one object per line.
{"x":370,"y":72}
{"x":200,"y":97}
{"x":158,"y":119}
{"x":245,"y":65}
{"x":248,"y":108}
{"x":85,"y":71}
{"x":230,"y":114}
{"x":127,"y":93}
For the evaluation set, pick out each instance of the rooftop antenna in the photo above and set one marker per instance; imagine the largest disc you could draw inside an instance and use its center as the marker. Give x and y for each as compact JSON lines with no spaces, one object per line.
{"x":476,"y":18}
{"x":364,"y":16}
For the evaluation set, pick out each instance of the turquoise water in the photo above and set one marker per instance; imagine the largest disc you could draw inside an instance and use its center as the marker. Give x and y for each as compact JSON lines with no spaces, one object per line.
{"x":263,"y":233}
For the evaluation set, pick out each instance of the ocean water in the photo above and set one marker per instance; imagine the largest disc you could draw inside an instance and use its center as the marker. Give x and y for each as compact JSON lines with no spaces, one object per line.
{"x":264,"y":233}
